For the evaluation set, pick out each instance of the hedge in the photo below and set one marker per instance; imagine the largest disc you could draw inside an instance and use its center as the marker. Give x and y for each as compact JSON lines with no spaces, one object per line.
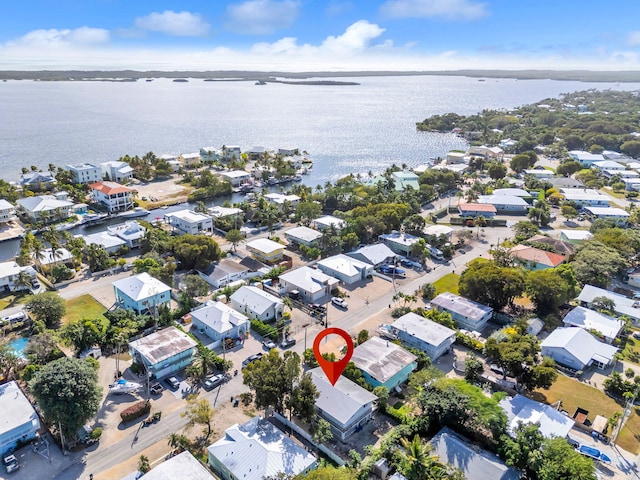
{"x":265,"y":330}
{"x":136,"y":410}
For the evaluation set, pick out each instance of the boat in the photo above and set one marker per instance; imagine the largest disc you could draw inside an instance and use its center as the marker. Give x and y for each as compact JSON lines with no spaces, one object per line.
{"x":260,"y":82}
{"x":180,"y":80}
{"x":594,"y":453}
{"x":124,"y":386}
{"x":93,"y":218}
{"x":135,"y":213}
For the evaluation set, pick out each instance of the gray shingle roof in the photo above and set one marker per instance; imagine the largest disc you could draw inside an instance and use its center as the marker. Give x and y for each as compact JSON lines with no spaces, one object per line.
{"x":381,"y":359}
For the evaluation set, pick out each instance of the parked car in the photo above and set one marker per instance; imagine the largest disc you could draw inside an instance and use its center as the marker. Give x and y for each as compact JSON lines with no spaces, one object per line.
{"x":496,"y":369}
{"x":318,"y":307}
{"x":156,"y":389}
{"x":269,"y":344}
{"x":212,"y":382}
{"x":287,"y":343}
{"x":339,"y":302}
{"x":173,"y":382}
{"x":11,"y":463}
{"x":252,"y":358}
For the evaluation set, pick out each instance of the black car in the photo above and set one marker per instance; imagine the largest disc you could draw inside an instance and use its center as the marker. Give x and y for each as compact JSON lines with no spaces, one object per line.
{"x":252,"y":358}
{"x":287,"y":343}
{"x":173,"y":382}
{"x":156,"y":389}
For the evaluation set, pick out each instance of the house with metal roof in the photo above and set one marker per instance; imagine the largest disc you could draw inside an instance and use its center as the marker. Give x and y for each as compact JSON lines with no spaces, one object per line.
{"x":189,"y":222}
{"x":621,"y":305}
{"x":575,"y":236}
{"x":311,"y":284}
{"x":163,"y":352}
{"x":515,"y":192}
{"x":424,"y":334}
{"x":256,"y":450}
{"x":477,"y":210}
{"x":115,"y":197}
{"x":265,"y":250}
{"x":474,"y":462}
{"x":347,"y":269}
{"x":256,"y":303}
{"x":44,"y":208}
{"x":576,"y":348}
{"x":279,"y":199}
{"x":236,"y":177}
{"x":328,"y":221}
{"x":218,"y":321}
{"x":608,"y":165}
{"x":142,"y":293}
{"x":585,"y":197}
{"x":608,"y":327}
{"x":19,"y":421}
{"x":9,"y":272}
{"x":466,"y":313}
{"x":218,"y":211}
{"x":303,"y":236}
{"x":131,"y":232}
{"x":383,"y":363}
{"x":520,"y":409}
{"x":399,"y":242}
{"x":402,"y":180}
{"x":346,"y":405}
{"x":109,"y":242}
{"x":49,"y":258}
{"x":613,"y":214}
{"x":533,"y":258}
{"x":7,"y":211}
{"x":540,"y":173}
{"x":560,"y":246}
{"x":182,"y":465}
{"x":190,"y":160}
{"x":117,"y":171}
{"x":376,"y":254}
{"x":85,"y":173}
{"x":505,"y":203}
{"x":225,"y":272}
{"x":585,"y":158}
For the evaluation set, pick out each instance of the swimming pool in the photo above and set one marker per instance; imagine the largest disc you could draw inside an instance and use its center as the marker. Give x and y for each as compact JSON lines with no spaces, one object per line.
{"x":18,"y":345}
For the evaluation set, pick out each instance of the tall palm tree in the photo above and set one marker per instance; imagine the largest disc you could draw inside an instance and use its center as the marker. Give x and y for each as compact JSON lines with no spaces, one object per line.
{"x":37,"y":250}
{"x":23,"y":281}
{"x":420,"y":465}
{"x":206,"y":360}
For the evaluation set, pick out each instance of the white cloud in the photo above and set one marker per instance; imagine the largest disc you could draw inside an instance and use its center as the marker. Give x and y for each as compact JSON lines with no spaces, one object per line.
{"x":259,"y":17}
{"x":449,"y":9}
{"x":63,"y":37}
{"x":633,"y":38}
{"x":356,"y":37}
{"x":179,"y":24}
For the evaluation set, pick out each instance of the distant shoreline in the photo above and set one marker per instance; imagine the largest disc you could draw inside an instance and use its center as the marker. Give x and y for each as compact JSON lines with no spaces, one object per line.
{"x":303,"y":77}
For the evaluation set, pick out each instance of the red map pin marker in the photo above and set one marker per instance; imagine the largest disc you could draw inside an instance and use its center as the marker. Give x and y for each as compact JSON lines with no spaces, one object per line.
{"x":333,"y":370}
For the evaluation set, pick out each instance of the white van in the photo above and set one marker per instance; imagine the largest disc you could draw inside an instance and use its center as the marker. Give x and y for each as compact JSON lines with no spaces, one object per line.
{"x":15,"y":318}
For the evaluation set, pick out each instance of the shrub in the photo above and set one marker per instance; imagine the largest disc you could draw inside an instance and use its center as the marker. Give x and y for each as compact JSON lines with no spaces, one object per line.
{"x":96,"y":433}
{"x":264,"y":330}
{"x":136,"y":410}
{"x":469,"y":342}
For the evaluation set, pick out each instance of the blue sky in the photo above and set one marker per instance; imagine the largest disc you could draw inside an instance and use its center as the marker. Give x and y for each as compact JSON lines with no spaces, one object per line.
{"x":299,"y":35}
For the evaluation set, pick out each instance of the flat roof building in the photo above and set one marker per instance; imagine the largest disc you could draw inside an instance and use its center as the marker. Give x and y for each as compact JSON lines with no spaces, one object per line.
{"x":383,"y":363}
{"x":424,"y":334}
{"x":19,"y":421}
{"x":466,"y":313}
{"x":164,"y":352}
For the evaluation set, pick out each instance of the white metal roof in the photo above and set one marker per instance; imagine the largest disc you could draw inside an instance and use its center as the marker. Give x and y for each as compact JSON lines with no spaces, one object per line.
{"x":579,"y":343}
{"x":461,"y":305}
{"x":189,"y":216}
{"x":522,"y":409}
{"x":219,"y":316}
{"x":256,"y":299}
{"x":265,"y":245}
{"x":141,"y":286}
{"x":381,"y":359}
{"x":303,"y":233}
{"x":516,"y":192}
{"x":42,"y":203}
{"x":607,"y":211}
{"x":344,"y":264}
{"x":375,"y":254}
{"x":309,"y":279}
{"x":164,"y":344}
{"x":426,"y":330}
{"x":183,"y":465}
{"x":329,"y":220}
{"x":503,"y":200}
{"x":591,"y":320}
{"x":104,"y":239}
{"x":4,"y":205}
{"x":16,"y":409}
{"x":399,"y":238}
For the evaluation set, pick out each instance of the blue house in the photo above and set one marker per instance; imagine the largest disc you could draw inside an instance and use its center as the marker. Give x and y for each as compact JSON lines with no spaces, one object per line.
{"x":383,"y":363}
{"x":424,"y":334}
{"x":164,"y":352}
{"x":141,"y":293}
{"x":19,"y":422}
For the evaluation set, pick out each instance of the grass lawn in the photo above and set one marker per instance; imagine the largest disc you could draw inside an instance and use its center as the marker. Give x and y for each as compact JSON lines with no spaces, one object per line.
{"x":448,"y":283}
{"x":13,"y":299}
{"x":631,"y":350}
{"x":83,"y":307}
{"x":576,"y":394}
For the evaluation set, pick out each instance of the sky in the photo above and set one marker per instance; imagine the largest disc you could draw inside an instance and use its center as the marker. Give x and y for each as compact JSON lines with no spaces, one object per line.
{"x":311,"y":35}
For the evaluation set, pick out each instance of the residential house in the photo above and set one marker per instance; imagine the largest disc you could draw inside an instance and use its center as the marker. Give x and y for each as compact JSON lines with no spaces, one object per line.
{"x":164,"y":352}
{"x":474,"y":462}
{"x":329,"y":221}
{"x":130,"y":232}
{"x":303,"y":236}
{"x":383,"y":363}
{"x":631,"y":184}
{"x":85,"y":173}
{"x":218,"y":321}
{"x":117,"y":171}
{"x":436,"y":231}
{"x":190,"y":160}
{"x":236,"y":177}
{"x":615,"y":215}
{"x":312,"y":285}
{"x":44,"y":208}
{"x":622,"y":174}
{"x":461,"y":168}
{"x":424,"y":334}
{"x":621,"y":305}
{"x":565,"y":182}
{"x":115,"y":197}
{"x":490,"y":153}
{"x":255,"y":266}
{"x":585,"y":197}
{"x":533,"y":258}
{"x":560,"y":246}
{"x":37,"y":181}
{"x":19,"y":422}
{"x":575,"y":236}
{"x":376,"y":254}
{"x":287,"y":151}
{"x":346,"y":405}
{"x":256,"y":303}
{"x":189,"y":222}
{"x":576,"y":348}
{"x":399,"y":242}
{"x":265,"y":250}
{"x":7,"y":212}
{"x":607,"y":327}
{"x":514,"y":192}
{"x":255,"y":153}
{"x":231,"y":152}
{"x":540,"y":173}
{"x":585,"y":158}
{"x":209,"y":154}
{"x":347,"y":269}
{"x":404,"y":180}
{"x":280,"y":199}
{"x":466,"y":313}
{"x":9,"y":273}
{"x":181,"y":465}
{"x":225,"y":272}
{"x":608,"y":165}
{"x":520,"y":409}
{"x":612,"y":155}
{"x":257,"y":450}
{"x":110,"y":243}
{"x":49,"y":258}
{"x":455,"y":158}
{"x":506,"y":203}
{"x":141,"y":293}
{"x":477,"y":210}
{"x":222,"y":212}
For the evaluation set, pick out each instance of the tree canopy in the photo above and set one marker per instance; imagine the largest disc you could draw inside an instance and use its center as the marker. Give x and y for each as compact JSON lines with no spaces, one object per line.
{"x":485,"y":282}
{"x":47,"y":307}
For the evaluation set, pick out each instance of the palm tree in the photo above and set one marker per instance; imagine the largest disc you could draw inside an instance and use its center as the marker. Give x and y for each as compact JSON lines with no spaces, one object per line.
{"x":419,"y":464}
{"x":23,"y":281}
{"x":206,"y":360}
{"x":37,"y":250}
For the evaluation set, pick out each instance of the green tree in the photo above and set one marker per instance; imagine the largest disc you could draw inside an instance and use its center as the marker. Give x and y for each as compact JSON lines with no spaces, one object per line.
{"x":143,"y":464}
{"x":97,"y":258}
{"x":473,"y":367}
{"x":486,"y":283}
{"x":416,"y":461}
{"x":84,"y":333}
{"x":196,"y":251}
{"x":321,"y":431}
{"x":524,"y":230}
{"x":43,"y":348}
{"x":196,"y":286}
{"x":47,"y":307}
{"x":547,"y":289}
{"x":496,"y":170}
{"x":234,"y":237}
{"x":307,"y":211}
{"x":302,"y":401}
{"x":363,"y":336}
{"x":596,"y":264}
{"x":206,"y":360}
{"x":199,"y":412}
{"x":68,"y":393}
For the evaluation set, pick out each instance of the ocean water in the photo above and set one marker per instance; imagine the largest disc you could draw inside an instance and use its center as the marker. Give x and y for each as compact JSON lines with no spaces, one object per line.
{"x":345,"y":129}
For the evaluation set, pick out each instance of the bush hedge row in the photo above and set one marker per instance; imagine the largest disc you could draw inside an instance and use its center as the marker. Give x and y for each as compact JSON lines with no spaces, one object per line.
{"x":135,"y":411}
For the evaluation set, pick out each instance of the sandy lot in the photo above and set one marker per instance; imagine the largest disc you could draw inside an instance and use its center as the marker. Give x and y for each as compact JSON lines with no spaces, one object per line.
{"x":163,"y":193}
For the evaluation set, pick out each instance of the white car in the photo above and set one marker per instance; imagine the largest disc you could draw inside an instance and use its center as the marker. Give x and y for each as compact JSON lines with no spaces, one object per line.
{"x":339,"y":302}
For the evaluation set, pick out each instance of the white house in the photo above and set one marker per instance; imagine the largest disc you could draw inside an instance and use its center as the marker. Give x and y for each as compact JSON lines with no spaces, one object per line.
{"x":505,"y":203}
{"x":7,"y":212}
{"x":616,"y":215}
{"x":585,"y":158}
{"x":85,"y":173}
{"x":236,"y":177}
{"x":190,"y":160}
{"x":182,"y":465}
{"x":265,"y":250}
{"x":257,"y":450}
{"x":256,"y":303}
{"x":116,"y":197}
{"x":222,"y":212}
{"x":576,"y":348}
{"x":329,"y":221}
{"x":424,"y":334}
{"x":303,"y":236}
{"x":109,"y":242}
{"x":164,"y":352}
{"x":224,"y":273}
{"x":575,"y":236}
{"x":49,"y":258}
{"x":454,"y":157}
{"x":189,"y":222}
{"x":141,"y":293}
{"x":347,"y":269}
{"x":44,"y":207}
{"x":312,"y":285}
{"x":130,"y":232}
{"x":403,"y":180}
{"x":37,"y":181}
{"x":19,"y":422}
{"x":540,"y":173}
{"x":520,"y":409}
{"x":219,"y":321}
{"x":209,"y":154}
{"x":605,"y":325}
{"x":279,"y":199}
{"x":376,"y":254}
{"x":116,"y":171}
{"x":231,"y":152}
{"x":585,"y":197}
{"x":399,"y":242}
{"x":515,"y":192}
{"x":472,"y":210}
{"x":608,"y":165}
{"x":622,"y":305}
{"x":346,"y":405}
{"x":9,"y":272}
{"x":466,"y":313}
